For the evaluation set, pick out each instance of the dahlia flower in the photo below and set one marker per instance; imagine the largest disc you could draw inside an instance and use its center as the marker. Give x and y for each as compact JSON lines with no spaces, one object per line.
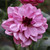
{"x":25,"y":24}
{"x":33,"y":2}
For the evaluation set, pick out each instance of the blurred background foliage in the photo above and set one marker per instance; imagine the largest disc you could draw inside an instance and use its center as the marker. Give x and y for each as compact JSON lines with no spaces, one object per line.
{"x":5,"y":40}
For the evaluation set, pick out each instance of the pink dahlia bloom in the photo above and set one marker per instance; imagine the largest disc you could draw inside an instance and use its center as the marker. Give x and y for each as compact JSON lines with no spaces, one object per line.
{"x":25,"y":24}
{"x":33,"y":2}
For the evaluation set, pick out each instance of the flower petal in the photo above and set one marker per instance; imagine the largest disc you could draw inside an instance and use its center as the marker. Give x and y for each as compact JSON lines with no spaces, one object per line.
{"x":33,"y":38}
{"x":23,"y":28}
{"x":27,"y":43}
{"x":23,"y":45}
{"x":14,"y":27}
{"x":17,"y":17}
{"x":16,"y":35}
{"x":45,"y":25}
{"x":38,"y":18}
{"x":16,"y":41}
{"x":8,"y":33}
{"x":38,"y":24}
{"x":39,"y":36}
{"x":33,"y":31}
{"x":41,"y":30}
{"x":10,"y":11}
{"x":7,"y":23}
{"x":22,"y":37}
{"x":38,"y":12}
{"x":27,"y":33}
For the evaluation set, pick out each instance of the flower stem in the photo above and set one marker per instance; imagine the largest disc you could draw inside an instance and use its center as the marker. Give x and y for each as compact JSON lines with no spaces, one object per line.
{"x":29,"y":48}
{"x":23,"y":48}
{"x":32,"y":46}
{"x":14,"y":45}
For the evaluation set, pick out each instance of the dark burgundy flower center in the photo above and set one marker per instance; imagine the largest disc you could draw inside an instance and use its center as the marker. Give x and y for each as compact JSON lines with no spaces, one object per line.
{"x":26,"y":21}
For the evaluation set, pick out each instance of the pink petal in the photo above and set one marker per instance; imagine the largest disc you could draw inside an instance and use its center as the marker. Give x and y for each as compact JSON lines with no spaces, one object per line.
{"x":16,"y":35}
{"x":33,"y":31}
{"x":10,"y":11}
{"x":27,"y":43}
{"x":8,"y":33}
{"x":44,"y":20}
{"x":16,"y":41}
{"x":40,"y":1}
{"x":23,"y":45}
{"x":38,"y":24}
{"x":22,"y":12}
{"x":14,"y":27}
{"x":41,"y":30}
{"x":32,"y":15}
{"x":29,"y":10}
{"x":23,"y":28}
{"x":22,"y":37}
{"x":45,"y":25}
{"x":17,"y":17}
{"x":27,"y":33}
{"x":33,"y":22}
{"x":33,"y":38}
{"x":38,"y":18}
{"x":38,"y":12}
{"x":7,"y":23}
{"x":39,"y":36}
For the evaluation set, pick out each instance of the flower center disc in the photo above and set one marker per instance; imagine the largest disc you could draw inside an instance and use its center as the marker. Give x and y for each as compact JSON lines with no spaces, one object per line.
{"x":26,"y":21}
